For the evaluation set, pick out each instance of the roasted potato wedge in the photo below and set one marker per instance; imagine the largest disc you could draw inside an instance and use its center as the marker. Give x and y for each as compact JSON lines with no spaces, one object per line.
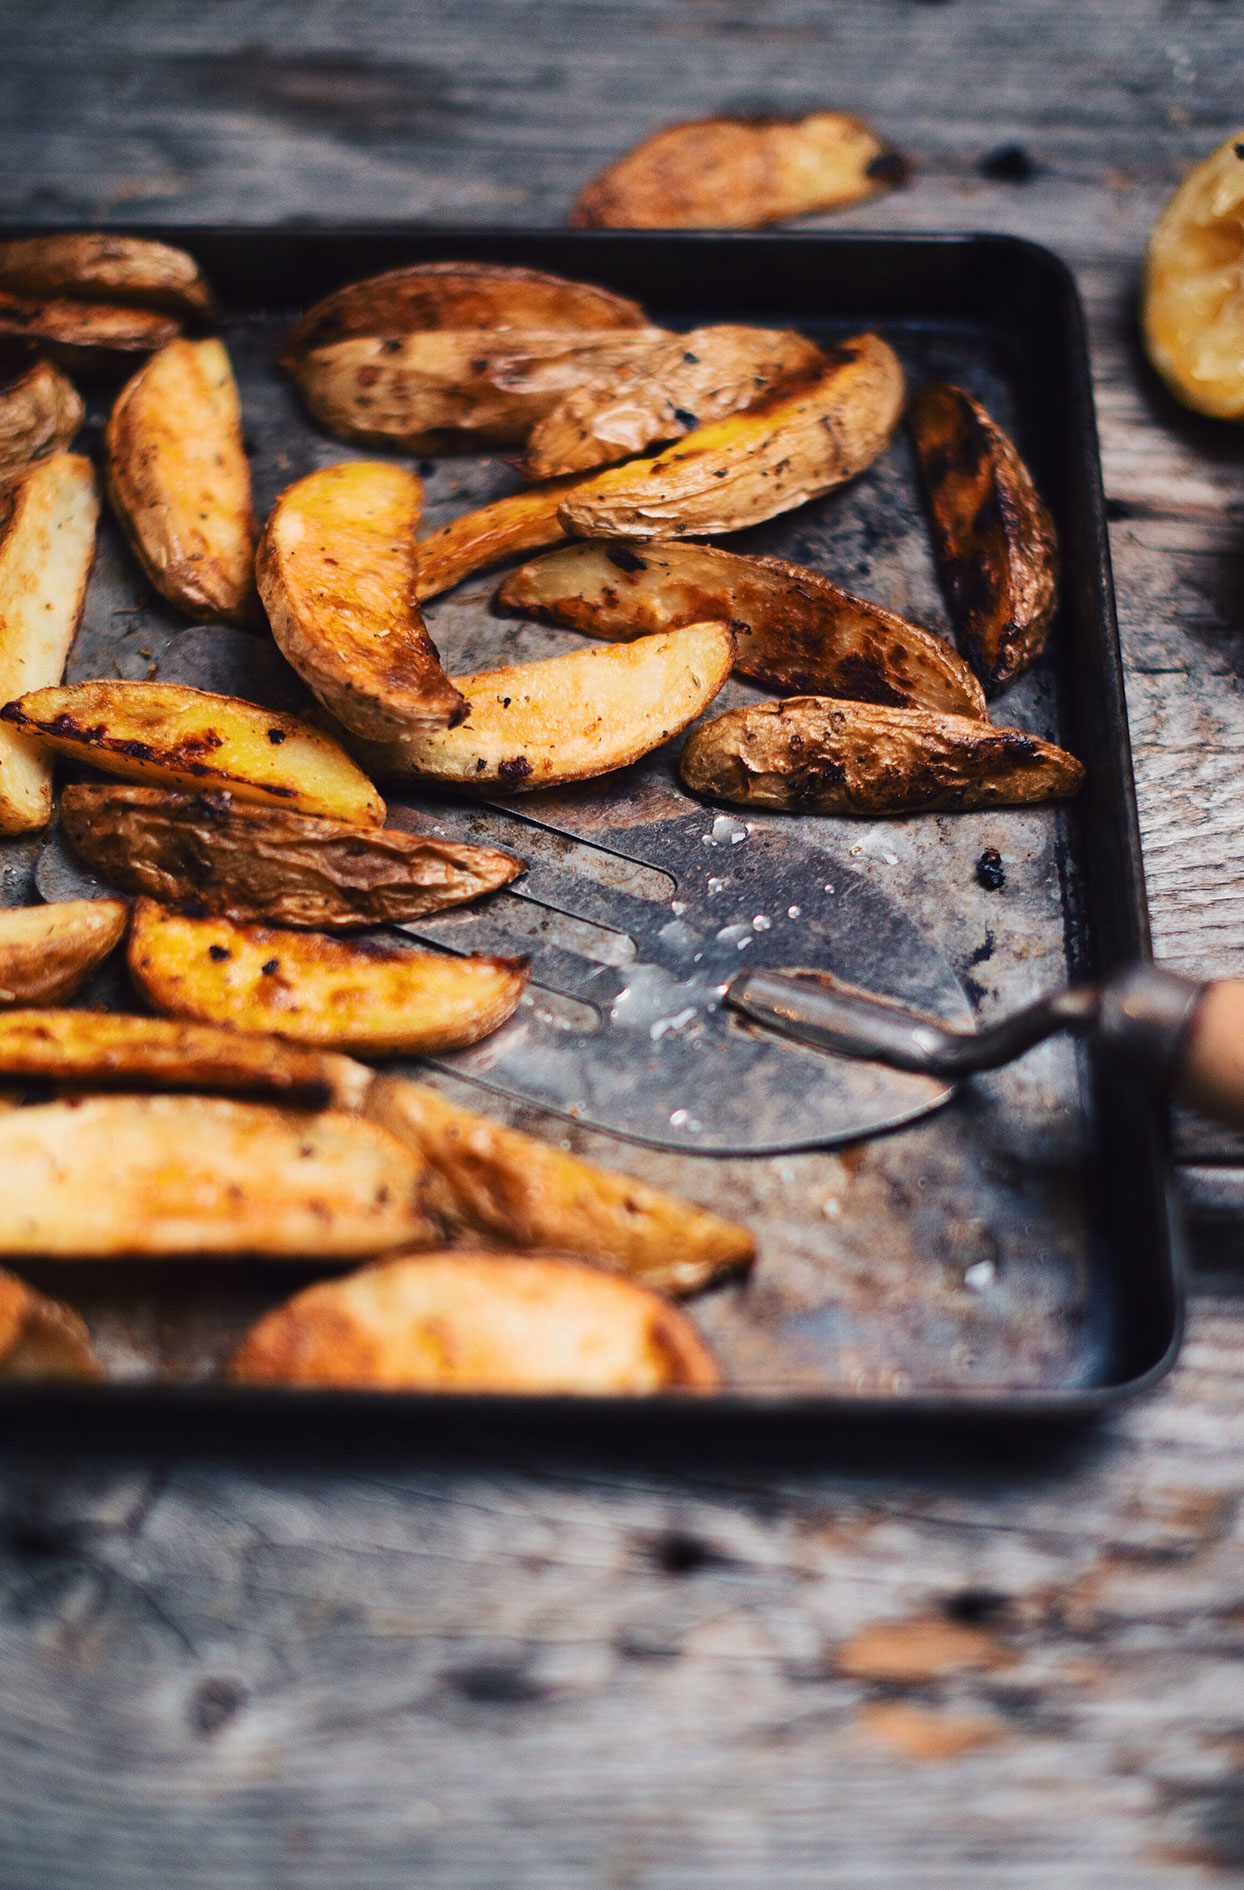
{"x":179,"y":482}
{"x":101,"y":267}
{"x":84,"y":336}
{"x":526,"y":1193}
{"x":676,"y":383}
{"x":793,"y":629}
{"x":1191,"y":316}
{"x":738,"y":173}
{"x":994,"y":538}
{"x":378,"y":998}
{"x":91,"y":1049}
{"x":443,"y":387}
{"x":40,"y":412}
{"x":483,"y":296}
{"x":523,"y":521}
{"x":479,"y":1321}
{"x":541,"y":724}
{"x":214,"y":853}
{"x":811,"y":754}
{"x":336,"y":572}
{"x":150,"y":1176}
{"x":48,"y":952}
{"x":42,"y":1337}
{"x":800,"y":441}
{"x":174,"y":736}
{"x":47,"y":545}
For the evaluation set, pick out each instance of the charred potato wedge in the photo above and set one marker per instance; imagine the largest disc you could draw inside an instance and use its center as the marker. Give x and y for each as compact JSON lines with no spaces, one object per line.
{"x":483,"y":296}
{"x":523,"y":521}
{"x":153,"y":1176}
{"x":47,"y":545}
{"x":84,"y":336}
{"x":48,"y":952}
{"x":523,"y":1192}
{"x":481,"y":1322}
{"x":174,"y":736}
{"x":42,"y":1337}
{"x":793,"y":629}
{"x":677,"y":383}
{"x":40,"y":412}
{"x":179,"y":482}
{"x":336,"y":572}
{"x":541,"y":724}
{"x":214,"y":853}
{"x":99,"y":267}
{"x":739,"y":173}
{"x":376,"y":998}
{"x":802,"y":440}
{"x":1191,"y":318}
{"x":811,"y":754}
{"x":994,"y":538}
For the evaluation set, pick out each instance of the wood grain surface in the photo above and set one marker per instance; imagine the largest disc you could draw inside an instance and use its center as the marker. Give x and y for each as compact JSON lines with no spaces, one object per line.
{"x":502,"y":1664}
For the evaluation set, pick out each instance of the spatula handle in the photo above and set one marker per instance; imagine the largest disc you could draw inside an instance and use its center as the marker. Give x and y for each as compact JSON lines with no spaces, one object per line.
{"x":1211,"y":1072}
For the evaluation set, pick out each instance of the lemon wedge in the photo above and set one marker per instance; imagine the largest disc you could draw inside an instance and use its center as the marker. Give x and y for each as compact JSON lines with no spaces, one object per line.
{"x":1192,"y":301}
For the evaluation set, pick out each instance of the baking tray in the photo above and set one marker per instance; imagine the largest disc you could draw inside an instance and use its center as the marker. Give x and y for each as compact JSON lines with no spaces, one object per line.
{"x":1014,"y":1256}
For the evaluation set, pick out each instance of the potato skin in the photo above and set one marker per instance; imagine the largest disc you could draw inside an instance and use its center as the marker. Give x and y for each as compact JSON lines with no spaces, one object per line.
{"x":212,"y":853}
{"x":526,"y":1193}
{"x":474,"y":1321}
{"x":739,"y":173}
{"x":811,"y":754}
{"x":101,"y":267}
{"x":42,"y":1337}
{"x":40,"y":412}
{"x":84,"y":337}
{"x":794,"y":630}
{"x":48,"y":952}
{"x":994,"y":537}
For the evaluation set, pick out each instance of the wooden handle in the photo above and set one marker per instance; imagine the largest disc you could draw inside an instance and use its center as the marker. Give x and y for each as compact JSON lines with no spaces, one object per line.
{"x":1211,"y":1077}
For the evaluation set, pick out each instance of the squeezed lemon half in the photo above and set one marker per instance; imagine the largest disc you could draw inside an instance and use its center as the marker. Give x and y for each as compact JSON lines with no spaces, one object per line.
{"x":1192,"y":301}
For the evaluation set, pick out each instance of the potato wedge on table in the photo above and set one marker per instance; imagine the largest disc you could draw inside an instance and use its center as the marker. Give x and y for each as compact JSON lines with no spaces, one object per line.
{"x":99,"y":266}
{"x":180,"y":484}
{"x":739,"y":173}
{"x":381,"y":999}
{"x":48,"y":952}
{"x":48,"y":519}
{"x":527,"y":1193}
{"x":175,"y":736}
{"x":336,"y":572}
{"x":522,"y":521}
{"x":537,"y":725}
{"x":482,"y":1322}
{"x":214,"y":853}
{"x":813,"y":755}
{"x":42,"y":1337}
{"x":150,"y":1176}
{"x":672,"y":385}
{"x":1191,"y":316}
{"x":793,"y":628}
{"x":802,"y":440}
{"x":996,"y":546}
{"x":84,"y":336}
{"x":40,"y":412}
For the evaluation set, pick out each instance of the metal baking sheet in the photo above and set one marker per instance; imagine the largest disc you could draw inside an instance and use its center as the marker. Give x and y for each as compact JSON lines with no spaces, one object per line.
{"x":1013,"y":1250}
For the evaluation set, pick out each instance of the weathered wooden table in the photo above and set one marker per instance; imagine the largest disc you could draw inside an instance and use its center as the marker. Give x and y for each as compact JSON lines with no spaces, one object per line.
{"x":489,"y":1663}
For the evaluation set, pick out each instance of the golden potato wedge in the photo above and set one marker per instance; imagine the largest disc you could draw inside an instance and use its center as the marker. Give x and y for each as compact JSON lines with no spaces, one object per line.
{"x":148,"y":1176}
{"x":174,"y":736}
{"x":40,"y":412}
{"x":443,"y":387}
{"x":378,"y":998}
{"x":541,"y":724}
{"x":84,"y":336}
{"x":800,"y":441}
{"x":108,"y":1049}
{"x":48,"y":952}
{"x":336,"y":572}
{"x":526,"y":1193}
{"x":101,"y":267}
{"x":179,"y":482}
{"x":42,"y":1337}
{"x":522,"y":521}
{"x":47,"y":545}
{"x":996,"y":546}
{"x":793,"y":629}
{"x":214,"y":853}
{"x":672,"y":385}
{"x":457,"y":295}
{"x":738,"y":173}
{"x":479,"y":1321}
{"x":1191,"y":315}
{"x":811,"y":754}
